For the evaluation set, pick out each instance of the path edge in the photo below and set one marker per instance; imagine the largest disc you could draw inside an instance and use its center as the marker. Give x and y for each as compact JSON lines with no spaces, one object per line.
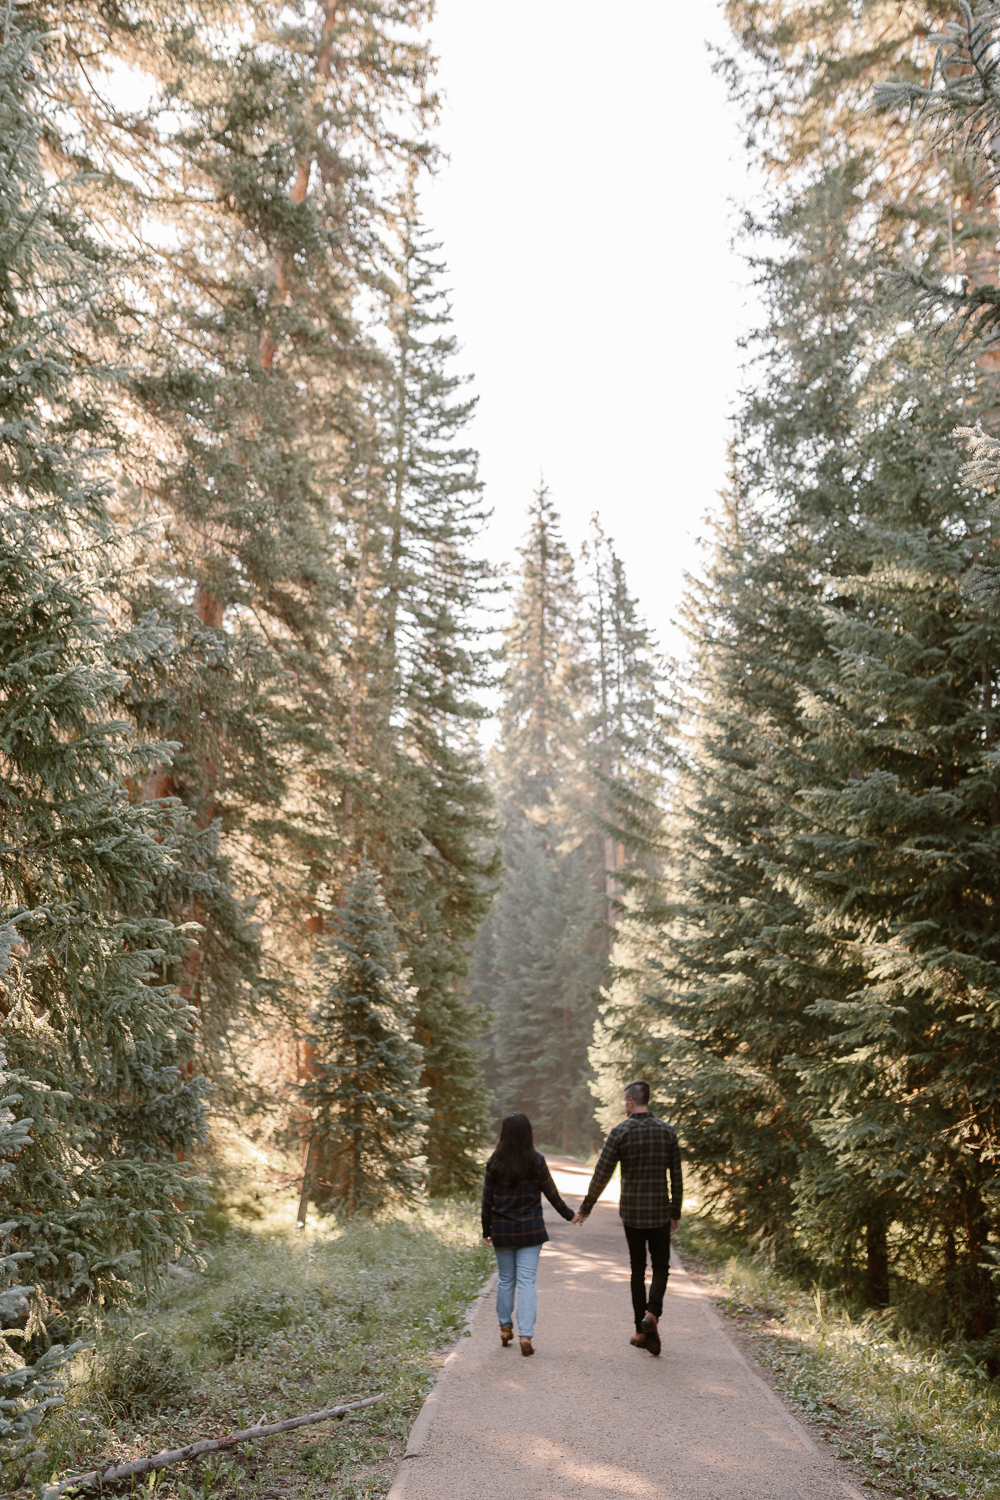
{"x":427,"y":1415}
{"x":798,"y":1428}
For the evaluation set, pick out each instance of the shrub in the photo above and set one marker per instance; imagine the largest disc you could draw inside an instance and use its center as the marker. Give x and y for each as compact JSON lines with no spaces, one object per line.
{"x":248,"y":1319}
{"x":138,"y":1375}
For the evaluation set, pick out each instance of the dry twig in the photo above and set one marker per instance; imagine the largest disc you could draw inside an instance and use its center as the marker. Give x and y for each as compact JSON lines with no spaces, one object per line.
{"x":96,"y":1479}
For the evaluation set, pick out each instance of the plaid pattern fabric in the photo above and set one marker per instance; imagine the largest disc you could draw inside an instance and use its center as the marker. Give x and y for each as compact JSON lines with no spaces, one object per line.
{"x":647,"y":1149}
{"x":512,"y":1215}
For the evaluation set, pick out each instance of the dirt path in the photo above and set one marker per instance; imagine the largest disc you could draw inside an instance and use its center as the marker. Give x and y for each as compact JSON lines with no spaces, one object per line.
{"x":591,"y":1417}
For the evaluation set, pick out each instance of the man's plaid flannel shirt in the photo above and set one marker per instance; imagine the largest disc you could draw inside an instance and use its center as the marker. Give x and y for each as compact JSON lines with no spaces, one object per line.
{"x":647,"y":1149}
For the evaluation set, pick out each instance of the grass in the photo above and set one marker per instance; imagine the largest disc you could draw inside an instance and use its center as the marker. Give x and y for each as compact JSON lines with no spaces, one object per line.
{"x":919,"y":1421}
{"x":275,"y":1324}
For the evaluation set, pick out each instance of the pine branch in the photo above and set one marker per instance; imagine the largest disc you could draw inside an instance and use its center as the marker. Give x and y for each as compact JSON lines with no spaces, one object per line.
{"x":96,"y":1480}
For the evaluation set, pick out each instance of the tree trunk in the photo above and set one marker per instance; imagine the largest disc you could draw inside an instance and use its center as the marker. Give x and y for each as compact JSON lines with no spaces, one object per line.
{"x":160,"y":783}
{"x":307,"y":1182}
{"x":354,"y":709}
{"x":299,"y":188}
{"x":610,"y":882}
{"x":877,"y":1270}
{"x":982,"y":1295}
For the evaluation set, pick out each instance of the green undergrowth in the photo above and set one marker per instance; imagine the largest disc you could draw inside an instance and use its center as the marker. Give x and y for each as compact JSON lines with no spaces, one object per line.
{"x":276,"y":1324}
{"x":917,"y":1419}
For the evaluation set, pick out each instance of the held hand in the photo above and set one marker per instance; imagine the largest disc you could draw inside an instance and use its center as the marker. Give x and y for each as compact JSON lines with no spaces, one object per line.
{"x":675,"y":1224}
{"x":579,"y":1218}
{"x":487,"y":1239}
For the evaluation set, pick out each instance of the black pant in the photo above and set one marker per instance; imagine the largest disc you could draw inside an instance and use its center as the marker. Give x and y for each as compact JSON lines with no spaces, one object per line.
{"x":659,"y":1253}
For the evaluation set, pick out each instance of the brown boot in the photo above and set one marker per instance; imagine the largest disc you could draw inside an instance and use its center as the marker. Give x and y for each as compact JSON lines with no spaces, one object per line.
{"x":526,"y":1348}
{"x":651,"y":1333}
{"x":639,"y":1340}
{"x":506,"y":1335}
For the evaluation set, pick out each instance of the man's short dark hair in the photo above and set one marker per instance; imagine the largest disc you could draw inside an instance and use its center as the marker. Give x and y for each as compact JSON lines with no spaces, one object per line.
{"x":638,"y":1092}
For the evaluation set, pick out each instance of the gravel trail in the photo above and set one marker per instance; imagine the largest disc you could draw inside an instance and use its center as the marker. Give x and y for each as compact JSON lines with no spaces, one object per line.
{"x":590,"y":1417}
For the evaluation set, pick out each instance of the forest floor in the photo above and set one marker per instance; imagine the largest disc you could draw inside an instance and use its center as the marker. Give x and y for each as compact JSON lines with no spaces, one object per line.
{"x":274,"y":1323}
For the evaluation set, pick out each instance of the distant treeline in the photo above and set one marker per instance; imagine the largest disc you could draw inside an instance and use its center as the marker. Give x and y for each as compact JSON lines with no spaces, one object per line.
{"x":578,"y":773}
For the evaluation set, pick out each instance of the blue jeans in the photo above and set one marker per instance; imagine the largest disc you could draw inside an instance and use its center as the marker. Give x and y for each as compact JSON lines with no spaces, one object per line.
{"x":517,"y":1266}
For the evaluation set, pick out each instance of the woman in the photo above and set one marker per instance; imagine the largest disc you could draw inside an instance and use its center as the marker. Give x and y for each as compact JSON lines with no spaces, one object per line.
{"x":516,"y":1178}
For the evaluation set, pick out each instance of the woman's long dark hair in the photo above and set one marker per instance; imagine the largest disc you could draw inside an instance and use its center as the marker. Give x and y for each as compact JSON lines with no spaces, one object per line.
{"x":515,"y":1158}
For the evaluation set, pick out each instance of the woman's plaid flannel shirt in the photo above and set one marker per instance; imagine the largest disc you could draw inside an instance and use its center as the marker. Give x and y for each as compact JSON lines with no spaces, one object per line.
{"x":512,"y":1214}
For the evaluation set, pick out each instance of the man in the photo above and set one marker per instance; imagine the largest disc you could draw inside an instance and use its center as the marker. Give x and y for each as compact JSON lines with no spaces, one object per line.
{"x":647,"y":1149}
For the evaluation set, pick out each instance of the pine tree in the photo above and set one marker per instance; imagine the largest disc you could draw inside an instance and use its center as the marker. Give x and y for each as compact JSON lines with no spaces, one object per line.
{"x":958,"y":112}
{"x":752,"y":965}
{"x":892,"y":854}
{"x":712,"y":988}
{"x":432,"y":591}
{"x":899,"y":848}
{"x":632,"y":754}
{"x":896,"y":719}
{"x":266,"y":385}
{"x":760,"y":994}
{"x":630,"y":728}
{"x":368,"y":1111}
{"x":99,"y":1042}
{"x":805,"y":71}
{"x":343,"y":524}
{"x":541,"y":952}
{"x":545,"y":675}
{"x":580,"y":769}
{"x":27,"y":1392}
{"x":308,"y":512}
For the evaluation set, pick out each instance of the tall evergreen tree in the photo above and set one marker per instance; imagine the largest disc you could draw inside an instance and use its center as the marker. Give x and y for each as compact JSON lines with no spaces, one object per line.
{"x":579,"y":771}
{"x":99,"y":1042}
{"x":630,"y":727}
{"x":907,"y":715}
{"x":632,"y":754}
{"x":261,"y":375}
{"x":545,"y":680}
{"x":537,"y":972}
{"x":316,"y":512}
{"x":368,"y":1111}
{"x":804,"y":73}
{"x":340,"y":513}
{"x":433,"y":590}
{"x":792,"y":997}
{"x":307,"y":510}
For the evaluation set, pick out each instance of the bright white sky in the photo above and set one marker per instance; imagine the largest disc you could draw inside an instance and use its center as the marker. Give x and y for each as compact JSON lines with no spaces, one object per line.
{"x":586,"y":216}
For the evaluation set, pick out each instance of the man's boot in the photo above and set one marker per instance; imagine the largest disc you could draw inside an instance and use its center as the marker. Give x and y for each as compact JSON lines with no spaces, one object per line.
{"x":651,"y":1332}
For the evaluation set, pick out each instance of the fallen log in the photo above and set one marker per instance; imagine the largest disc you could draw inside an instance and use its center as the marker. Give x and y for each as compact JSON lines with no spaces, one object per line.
{"x":96,"y":1479}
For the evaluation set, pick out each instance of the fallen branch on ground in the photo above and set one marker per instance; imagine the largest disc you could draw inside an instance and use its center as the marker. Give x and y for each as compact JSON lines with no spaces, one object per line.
{"x":96,"y":1479}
